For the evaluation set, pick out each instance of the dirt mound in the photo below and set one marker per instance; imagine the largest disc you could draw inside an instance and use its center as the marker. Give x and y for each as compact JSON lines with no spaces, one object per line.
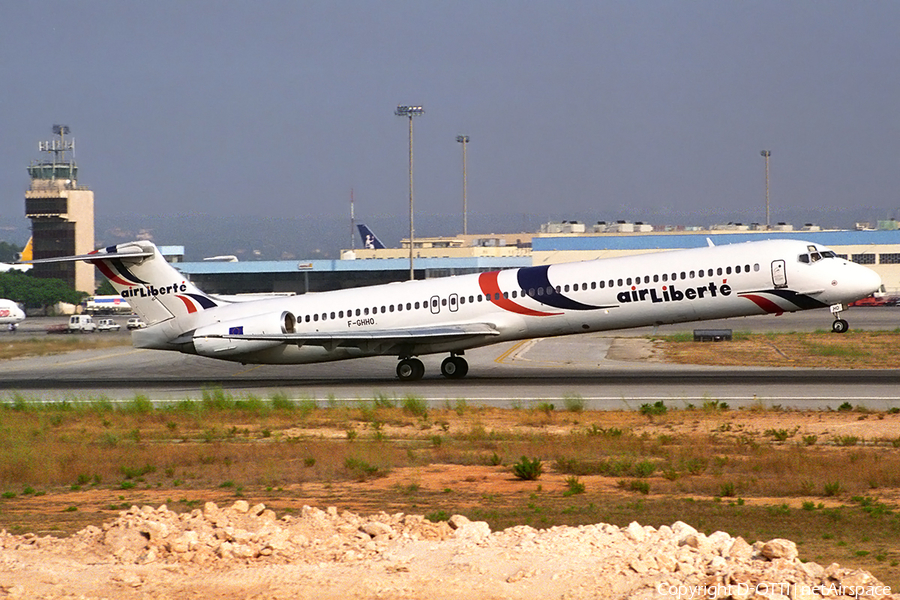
{"x":247,"y":552}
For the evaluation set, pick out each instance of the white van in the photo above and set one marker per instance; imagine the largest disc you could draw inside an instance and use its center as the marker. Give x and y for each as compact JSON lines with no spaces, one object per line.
{"x":82,"y":323}
{"x":108,"y":325}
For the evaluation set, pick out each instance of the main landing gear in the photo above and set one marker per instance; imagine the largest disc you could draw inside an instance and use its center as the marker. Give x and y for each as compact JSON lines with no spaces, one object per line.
{"x":412,"y":369}
{"x":839,"y":325}
{"x":454,"y":367}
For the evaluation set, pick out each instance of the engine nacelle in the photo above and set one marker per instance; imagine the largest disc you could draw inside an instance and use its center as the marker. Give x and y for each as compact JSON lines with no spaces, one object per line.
{"x":214,"y":341}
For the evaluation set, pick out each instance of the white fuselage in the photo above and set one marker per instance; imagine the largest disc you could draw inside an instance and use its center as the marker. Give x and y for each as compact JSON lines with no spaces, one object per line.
{"x":668,"y":287}
{"x":10,"y":312}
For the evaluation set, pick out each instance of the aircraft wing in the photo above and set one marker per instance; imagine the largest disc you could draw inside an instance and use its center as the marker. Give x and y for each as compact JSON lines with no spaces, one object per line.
{"x":372,"y":338}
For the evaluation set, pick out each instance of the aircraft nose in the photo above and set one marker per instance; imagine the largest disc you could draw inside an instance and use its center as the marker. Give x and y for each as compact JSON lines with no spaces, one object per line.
{"x":872,"y":280}
{"x":865,"y":281}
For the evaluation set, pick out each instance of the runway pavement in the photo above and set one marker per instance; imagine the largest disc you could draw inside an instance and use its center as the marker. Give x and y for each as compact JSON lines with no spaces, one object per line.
{"x":606,"y":371}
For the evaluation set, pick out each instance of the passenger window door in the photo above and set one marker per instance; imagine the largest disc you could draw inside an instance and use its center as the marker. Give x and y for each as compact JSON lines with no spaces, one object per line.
{"x":435,"y":305}
{"x":454,"y":302}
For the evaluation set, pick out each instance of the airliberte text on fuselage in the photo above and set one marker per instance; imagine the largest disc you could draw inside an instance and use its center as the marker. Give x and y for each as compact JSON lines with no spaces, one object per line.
{"x":669,"y":293}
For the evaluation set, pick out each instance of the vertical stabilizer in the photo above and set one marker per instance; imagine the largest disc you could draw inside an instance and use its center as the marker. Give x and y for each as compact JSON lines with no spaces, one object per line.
{"x":370,"y":240}
{"x":153,"y":288}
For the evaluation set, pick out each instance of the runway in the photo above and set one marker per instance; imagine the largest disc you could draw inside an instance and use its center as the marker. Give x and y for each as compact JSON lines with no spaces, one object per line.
{"x":604,"y":371}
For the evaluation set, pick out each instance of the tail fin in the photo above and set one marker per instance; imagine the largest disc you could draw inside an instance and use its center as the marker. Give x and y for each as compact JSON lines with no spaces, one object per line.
{"x":370,"y":240}
{"x":153,"y":288}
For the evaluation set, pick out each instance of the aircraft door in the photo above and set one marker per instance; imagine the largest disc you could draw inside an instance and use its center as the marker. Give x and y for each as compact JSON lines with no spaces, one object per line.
{"x":453,"y":302}
{"x":435,"y":305}
{"x":779,"y":274}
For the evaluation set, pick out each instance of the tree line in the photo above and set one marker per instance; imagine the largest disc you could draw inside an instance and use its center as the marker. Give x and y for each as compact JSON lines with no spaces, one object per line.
{"x":37,"y":293}
{"x":29,"y":290}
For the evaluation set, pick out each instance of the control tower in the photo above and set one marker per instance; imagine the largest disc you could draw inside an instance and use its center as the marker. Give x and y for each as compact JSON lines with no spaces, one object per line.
{"x":61,"y":213}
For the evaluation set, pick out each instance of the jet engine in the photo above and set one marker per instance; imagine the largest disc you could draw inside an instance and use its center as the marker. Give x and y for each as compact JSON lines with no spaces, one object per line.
{"x":223,"y":339}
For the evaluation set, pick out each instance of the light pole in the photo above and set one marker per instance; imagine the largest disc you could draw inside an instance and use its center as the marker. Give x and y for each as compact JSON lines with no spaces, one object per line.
{"x":464,"y":140}
{"x":766,"y":154}
{"x":410,"y":112}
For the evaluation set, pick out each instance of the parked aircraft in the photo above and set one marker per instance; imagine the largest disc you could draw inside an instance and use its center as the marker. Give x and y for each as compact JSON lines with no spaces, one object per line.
{"x":453,"y":314}
{"x":369,"y":239}
{"x":10,"y":313}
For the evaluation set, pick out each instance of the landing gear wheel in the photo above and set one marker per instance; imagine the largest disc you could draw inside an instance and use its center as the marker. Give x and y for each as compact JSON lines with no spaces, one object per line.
{"x":410,"y":369}
{"x":840,"y":326}
{"x":454,"y":367}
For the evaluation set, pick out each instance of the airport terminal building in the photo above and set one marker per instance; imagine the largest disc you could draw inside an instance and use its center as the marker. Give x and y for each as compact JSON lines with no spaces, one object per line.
{"x":878,"y":249}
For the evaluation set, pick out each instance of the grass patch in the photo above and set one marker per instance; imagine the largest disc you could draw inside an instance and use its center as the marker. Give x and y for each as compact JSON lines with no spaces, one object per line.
{"x":855,"y":349}
{"x":611,"y":467}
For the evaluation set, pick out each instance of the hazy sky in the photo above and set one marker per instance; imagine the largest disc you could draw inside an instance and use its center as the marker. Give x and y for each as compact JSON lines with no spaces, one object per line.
{"x":277,"y":109}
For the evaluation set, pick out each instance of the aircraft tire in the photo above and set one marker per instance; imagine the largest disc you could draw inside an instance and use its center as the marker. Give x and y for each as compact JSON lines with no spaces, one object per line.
{"x":410,"y":369}
{"x":454,"y":367}
{"x":840,"y":326}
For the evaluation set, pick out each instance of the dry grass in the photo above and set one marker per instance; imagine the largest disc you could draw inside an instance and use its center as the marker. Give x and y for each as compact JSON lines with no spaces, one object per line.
{"x":753,"y":473}
{"x":852,"y":350}
{"x":58,"y":344}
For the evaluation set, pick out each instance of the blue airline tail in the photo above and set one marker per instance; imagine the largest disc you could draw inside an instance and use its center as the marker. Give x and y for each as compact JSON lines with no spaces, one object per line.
{"x":369,"y":239}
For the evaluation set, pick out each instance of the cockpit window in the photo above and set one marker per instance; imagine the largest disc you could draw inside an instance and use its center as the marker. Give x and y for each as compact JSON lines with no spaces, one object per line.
{"x":814,"y":256}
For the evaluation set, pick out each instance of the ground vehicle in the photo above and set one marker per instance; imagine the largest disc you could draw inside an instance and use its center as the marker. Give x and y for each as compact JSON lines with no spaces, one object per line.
{"x":135,"y":323}
{"x":82,"y":323}
{"x":106,"y":305}
{"x":108,"y":325}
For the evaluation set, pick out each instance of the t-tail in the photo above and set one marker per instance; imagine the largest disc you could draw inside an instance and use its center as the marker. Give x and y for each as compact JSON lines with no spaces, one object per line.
{"x":369,"y":239}
{"x":153,"y":288}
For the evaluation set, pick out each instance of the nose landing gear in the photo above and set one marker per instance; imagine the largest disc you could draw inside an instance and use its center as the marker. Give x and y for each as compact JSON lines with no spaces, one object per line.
{"x":839,"y":325}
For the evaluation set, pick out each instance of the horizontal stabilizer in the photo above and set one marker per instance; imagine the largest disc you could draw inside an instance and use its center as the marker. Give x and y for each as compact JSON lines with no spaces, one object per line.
{"x":96,"y":255}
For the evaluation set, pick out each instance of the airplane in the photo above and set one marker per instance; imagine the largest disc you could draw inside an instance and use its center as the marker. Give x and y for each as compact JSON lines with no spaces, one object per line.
{"x":369,"y":239}
{"x":4,"y":267}
{"x":454,"y":314}
{"x":10,"y":313}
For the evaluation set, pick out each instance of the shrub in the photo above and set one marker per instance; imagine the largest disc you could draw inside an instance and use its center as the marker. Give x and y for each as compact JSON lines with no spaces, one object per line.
{"x":437,"y":516}
{"x":574,"y":486}
{"x":415,"y":406}
{"x":832,"y":488}
{"x":645,"y":468}
{"x":779,"y":435}
{"x":384,"y":401}
{"x":546,"y":407}
{"x":635,"y":485}
{"x":657,"y":408}
{"x":528,"y":469}
{"x":846,"y":440}
{"x":574,"y":403}
{"x":280,"y":401}
{"x":362,"y":470}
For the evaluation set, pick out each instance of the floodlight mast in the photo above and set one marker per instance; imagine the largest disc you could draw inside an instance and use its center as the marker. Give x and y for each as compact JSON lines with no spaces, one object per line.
{"x":410,"y":112}
{"x":766,"y":154}
{"x":464,"y":140}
